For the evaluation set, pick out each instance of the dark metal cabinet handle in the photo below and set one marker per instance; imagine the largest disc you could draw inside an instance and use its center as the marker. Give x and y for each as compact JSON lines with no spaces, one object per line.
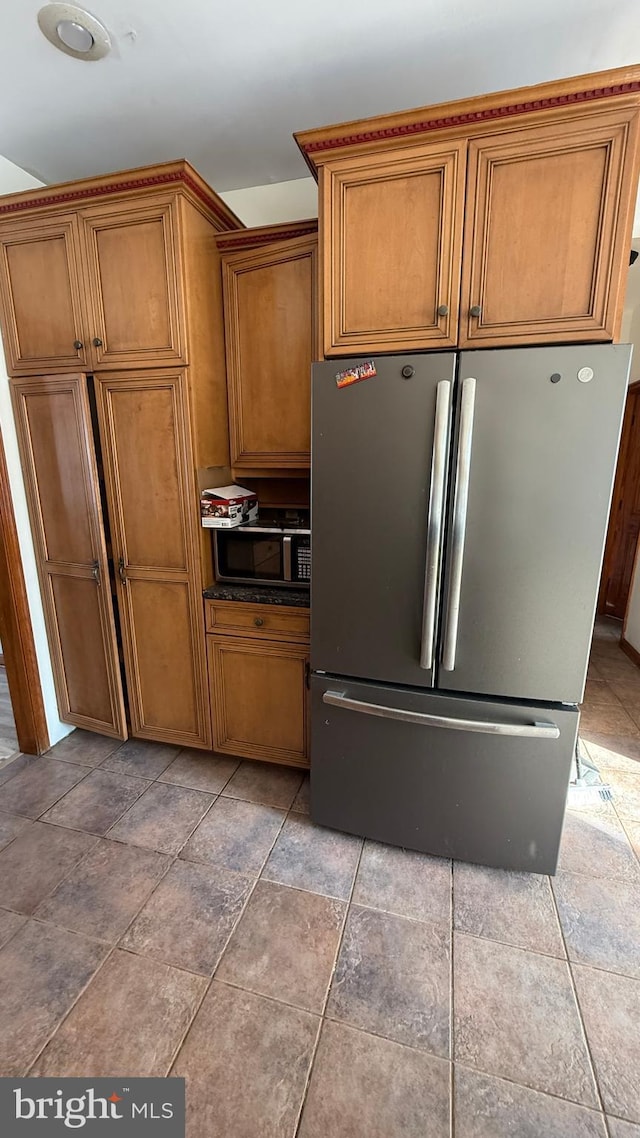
{"x":475,"y":310}
{"x":443,"y":310}
{"x":78,"y":345}
{"x":95,"y":569}
{"x":121,"y":572}
{"x":97,"y":342}
{"x":258,"y":621}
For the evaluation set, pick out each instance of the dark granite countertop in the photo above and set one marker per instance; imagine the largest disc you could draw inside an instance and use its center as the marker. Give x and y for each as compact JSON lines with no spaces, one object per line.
{"x":259,"y":595}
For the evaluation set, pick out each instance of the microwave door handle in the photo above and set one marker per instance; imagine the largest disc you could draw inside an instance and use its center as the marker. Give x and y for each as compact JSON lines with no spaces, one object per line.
{"x":460,"y":503}
{"x":286,"y":556}
{"x":434,"y":521}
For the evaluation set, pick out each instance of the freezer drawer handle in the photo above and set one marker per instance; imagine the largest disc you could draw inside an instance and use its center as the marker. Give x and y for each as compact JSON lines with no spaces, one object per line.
{"x":522,"y":730}
{"x":434,"y":521}
{"x":460,"y":501}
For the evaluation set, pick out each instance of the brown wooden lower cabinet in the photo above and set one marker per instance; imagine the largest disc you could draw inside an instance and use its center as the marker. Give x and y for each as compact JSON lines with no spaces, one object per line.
{"x":259,"y":697}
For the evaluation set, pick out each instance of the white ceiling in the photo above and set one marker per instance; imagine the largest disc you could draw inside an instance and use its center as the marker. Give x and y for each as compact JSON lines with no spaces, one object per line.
{"x":224,"y":85}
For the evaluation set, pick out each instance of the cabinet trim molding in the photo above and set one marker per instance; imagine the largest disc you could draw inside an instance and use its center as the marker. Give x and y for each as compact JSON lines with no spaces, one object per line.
{"x":243,"y":239}
{"x":468,"y":114}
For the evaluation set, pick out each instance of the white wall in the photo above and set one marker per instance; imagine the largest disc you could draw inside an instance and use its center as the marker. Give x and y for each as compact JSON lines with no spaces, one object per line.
{"x":12,"y":179}
{"x":631,"y":335}
{"x":280,"y":201}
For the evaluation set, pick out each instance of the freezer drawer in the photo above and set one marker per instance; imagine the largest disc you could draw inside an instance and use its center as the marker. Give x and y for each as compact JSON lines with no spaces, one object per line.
{"x":478,"y":780}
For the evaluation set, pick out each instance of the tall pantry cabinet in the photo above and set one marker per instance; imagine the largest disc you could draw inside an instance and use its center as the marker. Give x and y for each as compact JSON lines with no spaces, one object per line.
{"x":111,"y":312}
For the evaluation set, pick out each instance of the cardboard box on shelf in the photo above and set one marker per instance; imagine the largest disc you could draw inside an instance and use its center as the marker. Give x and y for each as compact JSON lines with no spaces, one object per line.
{"x":226,"y":506}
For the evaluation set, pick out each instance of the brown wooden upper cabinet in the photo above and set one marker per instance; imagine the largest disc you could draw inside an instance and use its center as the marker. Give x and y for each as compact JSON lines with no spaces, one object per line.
{"x":99,"y":284}
{"x":270,"y":306}
{"x":546,"y":179}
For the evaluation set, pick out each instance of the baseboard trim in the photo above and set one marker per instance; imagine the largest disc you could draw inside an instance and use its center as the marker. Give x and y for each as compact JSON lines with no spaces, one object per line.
{"x":630,"y":651}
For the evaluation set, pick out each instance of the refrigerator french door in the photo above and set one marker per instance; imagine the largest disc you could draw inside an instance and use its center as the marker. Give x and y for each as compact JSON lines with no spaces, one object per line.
{"x":459,"y":512}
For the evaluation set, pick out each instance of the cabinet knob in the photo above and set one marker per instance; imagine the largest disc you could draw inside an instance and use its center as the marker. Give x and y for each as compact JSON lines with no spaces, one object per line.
{"x":78,"y":345}
{"x":258,"y":621}
{"x":97,"y":342}
{"x":443,"y":310}
{"x":475,"y":310}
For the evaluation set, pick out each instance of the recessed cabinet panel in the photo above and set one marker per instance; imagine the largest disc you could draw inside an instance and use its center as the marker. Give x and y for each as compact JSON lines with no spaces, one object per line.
{"x":44,"y":317}
{"x":270,"y":318}
{"x":259,"y":699}
{"x":544,"y":236}
{"x":392,"y":249}
{"x":134,"y":284}
{"x":54,"y":431}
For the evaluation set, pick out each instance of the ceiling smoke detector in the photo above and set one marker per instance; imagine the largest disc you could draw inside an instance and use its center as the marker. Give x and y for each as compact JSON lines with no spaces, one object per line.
{"x":74,"y":31}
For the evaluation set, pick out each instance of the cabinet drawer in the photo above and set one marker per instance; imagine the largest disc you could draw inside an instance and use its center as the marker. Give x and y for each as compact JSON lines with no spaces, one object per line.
{"x":268,"y":622}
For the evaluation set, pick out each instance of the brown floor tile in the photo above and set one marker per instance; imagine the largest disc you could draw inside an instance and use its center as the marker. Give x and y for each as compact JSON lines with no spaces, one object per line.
{"x":129,"y":1021}
{"x":610,"y":1007}
{"x":607,"y":721}
{"x":515,"y":1015}
{"x":163,"y":818}
{"x":620,"y":1129}
{"x":189,"y":917}
{"x":301,"y":801}
{"x":613,"y":665}
{"x":96,"y":802}
{"x":9,"y":925}
{"x":515,"y":908}
{"x":401,"y":881}
{"x":599,"y":693}
{"x":366,"y":1087}
{"x":42,"y":971}
{"x":200,"y":771}
{"x":102,"y":894}
{"x":246,"y":1061}
{"x":33,"y":790}
{"x":10,"y":770}
{"x":285,"y":945}
{"x":38,"y":860}
{"x":311,"y":857}
{"x":10,"y":827}
{"x":626,"y":793}
{"x":617,"y":752}
{"x":267,"y":783}
{"x":633,"y":833}
{"x":600,"y":921}
{"x":84,"y":747}
{"x":141,"y":758}
{"x":596,"y":844}
{"x":486,"y":1107}
{"x":393,"y":979}
{"x":234,"y":834}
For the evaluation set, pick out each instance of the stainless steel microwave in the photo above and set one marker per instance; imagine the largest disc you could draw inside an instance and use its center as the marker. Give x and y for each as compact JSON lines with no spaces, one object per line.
{"x":264,"y":555}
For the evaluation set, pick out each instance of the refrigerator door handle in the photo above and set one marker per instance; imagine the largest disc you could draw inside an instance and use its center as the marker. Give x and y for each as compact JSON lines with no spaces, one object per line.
{"x":460,"y":502}
{"x":434,"y":521}
{"x":537,"y":730}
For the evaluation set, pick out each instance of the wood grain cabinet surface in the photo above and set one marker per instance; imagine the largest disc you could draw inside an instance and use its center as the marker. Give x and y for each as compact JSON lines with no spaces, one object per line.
{"x":258,"y":675}
{"x":270,"y":307}
{"x":120,"y":274}
{"x":551,"y":180}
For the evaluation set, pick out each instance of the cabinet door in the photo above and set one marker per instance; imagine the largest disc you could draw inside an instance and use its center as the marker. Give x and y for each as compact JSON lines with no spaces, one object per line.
{"x":153,"y":505}
{"x":54,"y":430}
{"x":42,"y":317}
{"x":547,"y":232}
{"x":134,"y":284}
{"x":270,"y":324}
{"x":392,"y":231}
{"x":259,"y":699}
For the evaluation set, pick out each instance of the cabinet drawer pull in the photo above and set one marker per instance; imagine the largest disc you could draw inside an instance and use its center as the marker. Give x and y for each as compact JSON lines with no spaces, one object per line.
{"x":258,"y":621}
{"x":443,"y":310}
{"x":78,"y":345}
{"x":475,"y":310}
{"x":97,"y":342}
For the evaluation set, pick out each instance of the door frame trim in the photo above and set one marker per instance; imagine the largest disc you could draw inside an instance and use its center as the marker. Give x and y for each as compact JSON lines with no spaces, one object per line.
{"x":19,"y":648}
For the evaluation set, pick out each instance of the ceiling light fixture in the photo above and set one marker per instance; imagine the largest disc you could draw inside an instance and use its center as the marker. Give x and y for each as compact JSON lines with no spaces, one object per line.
{"x":74,"y":31}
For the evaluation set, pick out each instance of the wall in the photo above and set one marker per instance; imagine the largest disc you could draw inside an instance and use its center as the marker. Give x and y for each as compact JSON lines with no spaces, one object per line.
{"x":281,"y":201}
{"x":12,"y":179}
{"x":631,"y":335}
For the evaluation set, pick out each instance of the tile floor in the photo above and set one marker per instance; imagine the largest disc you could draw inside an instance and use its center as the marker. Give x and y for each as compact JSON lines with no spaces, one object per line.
{"x":162,"y":912}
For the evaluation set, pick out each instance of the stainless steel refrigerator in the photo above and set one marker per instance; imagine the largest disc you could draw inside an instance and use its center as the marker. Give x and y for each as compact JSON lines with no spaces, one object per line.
{"x":459,"y":513}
